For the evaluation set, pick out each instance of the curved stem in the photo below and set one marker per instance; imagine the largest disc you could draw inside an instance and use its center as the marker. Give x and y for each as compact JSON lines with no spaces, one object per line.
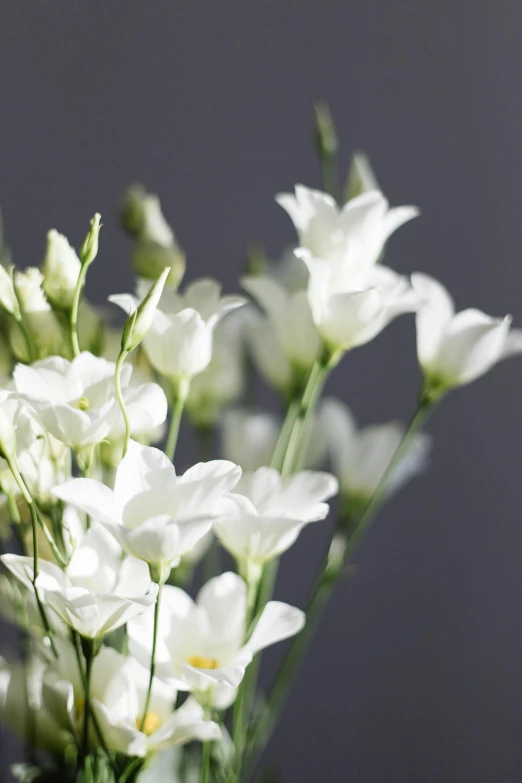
{"x":152,"y":656}
{"x":179,"y":397}
{"x":121,"y":401}
{"x":73,"y":319}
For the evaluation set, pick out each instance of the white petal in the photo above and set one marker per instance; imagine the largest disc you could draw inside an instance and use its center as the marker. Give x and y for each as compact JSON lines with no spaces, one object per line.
{"x":278,"y":621}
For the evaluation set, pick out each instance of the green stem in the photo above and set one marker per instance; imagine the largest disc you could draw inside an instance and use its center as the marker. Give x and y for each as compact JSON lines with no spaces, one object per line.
{"x":78,"y":650}
{"x":73,"y":320}
{"x":27,"y":338}
{"x":153,"y":655}
{"x":179,"y":397}
{"x":206,"y":758}
{"x":88,"y":653}
{"x":347,"y":539}
{"x":329,"y":172}
{"x":121,"y":401}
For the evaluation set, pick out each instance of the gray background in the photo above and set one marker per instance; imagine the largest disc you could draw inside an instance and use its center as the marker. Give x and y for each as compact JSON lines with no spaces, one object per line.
{"x":416,"y":673}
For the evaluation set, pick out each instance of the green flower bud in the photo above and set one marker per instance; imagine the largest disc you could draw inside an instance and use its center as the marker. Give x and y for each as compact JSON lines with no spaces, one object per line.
{"x":325,"y":135}
{"x":89,"y":249}
{"x":139,"y":322}
{"x":361,"y":178}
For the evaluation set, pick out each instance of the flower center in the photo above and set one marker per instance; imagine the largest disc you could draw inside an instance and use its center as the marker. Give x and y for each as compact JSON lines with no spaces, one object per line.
{"x":200,"y":662}
{"x":151,"y":724}
{"x":83,"y":403}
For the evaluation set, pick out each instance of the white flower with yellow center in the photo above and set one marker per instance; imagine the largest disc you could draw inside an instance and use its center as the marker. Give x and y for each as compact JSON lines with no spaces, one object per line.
{"x":201,"y":644}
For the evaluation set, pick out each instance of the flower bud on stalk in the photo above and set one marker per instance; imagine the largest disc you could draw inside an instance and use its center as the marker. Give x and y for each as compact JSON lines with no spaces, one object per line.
{"x":89,"y":249}
{"x":88,"y":252}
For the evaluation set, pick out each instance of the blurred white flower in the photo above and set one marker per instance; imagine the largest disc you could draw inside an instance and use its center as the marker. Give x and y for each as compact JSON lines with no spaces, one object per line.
{"x":61,"y":269}
{"x":457,"y":348}
{"x":94,"y":610}
{"x":46,"y":334}
{"x":361,"y":456}
{"x":8,"y":298}
{"x":264,"y":515}
{"x":179,"y":342}
{"x":155,"y":515}
{"x":201,"y":644}
{"x":75,"y":401}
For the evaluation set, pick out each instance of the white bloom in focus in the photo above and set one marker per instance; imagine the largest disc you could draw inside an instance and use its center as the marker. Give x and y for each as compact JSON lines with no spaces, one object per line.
{"x":61,"y":269}
{"x":201,"y":644}
{"x":179,"y":342}
{"x":264,"y":515}
{"x":75,"y":401}
{"x":352,"y":236}
{"x":457,"y":348}
{"x":361,"y":456}
{"x":155,"y":515}
{"x":90,"y":611}
{"x":348,"y":316}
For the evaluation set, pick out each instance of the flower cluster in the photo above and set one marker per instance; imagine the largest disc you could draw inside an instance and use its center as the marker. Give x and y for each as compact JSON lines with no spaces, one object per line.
{"x":104,"y":537}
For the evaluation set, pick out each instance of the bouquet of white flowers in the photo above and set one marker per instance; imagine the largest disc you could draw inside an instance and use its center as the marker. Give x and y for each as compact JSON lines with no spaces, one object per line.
{"x":123,"y":674}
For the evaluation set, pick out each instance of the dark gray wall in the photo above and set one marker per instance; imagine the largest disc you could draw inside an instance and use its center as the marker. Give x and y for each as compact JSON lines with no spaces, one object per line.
{"x":416,"y":673}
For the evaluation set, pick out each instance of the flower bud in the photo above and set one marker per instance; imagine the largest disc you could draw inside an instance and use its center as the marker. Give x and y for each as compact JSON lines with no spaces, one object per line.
{"x":8,"y":298}
{"x":61,"y":269}
{"x":325,"y":135}
{"x":89,"y":249}
{"x":361,"y":178}
{"x":7,"y":430}
{"x":139,"y":322}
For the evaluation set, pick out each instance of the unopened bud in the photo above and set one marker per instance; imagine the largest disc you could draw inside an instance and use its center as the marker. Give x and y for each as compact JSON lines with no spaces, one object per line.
{"x":8,"y":298}
{"x":139,"y":322}
{"x":325,"y":135}
{"x":361,"y":178}
{"x":89,"y":249}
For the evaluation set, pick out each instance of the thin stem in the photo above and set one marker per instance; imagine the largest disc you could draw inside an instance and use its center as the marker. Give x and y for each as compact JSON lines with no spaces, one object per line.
{"x":153,"y":655}
{"x":27,"y":338}
{"x":132,"y":766}
{"x":73,"y":320}
{"x":347,"y":539}
{"x":88,"y":654}
{"x":206,"y":759}
{"x":329,"y":172}
{"x":121,"y":401}
{"x":179,"y":398}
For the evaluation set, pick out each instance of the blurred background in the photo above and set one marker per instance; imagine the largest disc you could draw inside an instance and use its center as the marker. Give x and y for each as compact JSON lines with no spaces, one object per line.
{"x":415,"y":674}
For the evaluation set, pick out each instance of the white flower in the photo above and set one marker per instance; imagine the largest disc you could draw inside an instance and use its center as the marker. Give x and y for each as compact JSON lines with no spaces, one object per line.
{"x":8,"y":299}
{"x":118,"y":694}
{"x":201,"y":644}
{"x":457,"y":348}
{"x":155,"y":515}
{"x":90,"y":611}
{"x":290,"y":317}
{"x":351,"y":236}
{"x":223,"y":380}
{"x":179,"y":342}
{"x":61,"y":269}
{"x":75,"y":401}
{"x":349,"y":314}
{"x":361,"y":456}
{"x":263,"y":517}
{"x":46,"y":334}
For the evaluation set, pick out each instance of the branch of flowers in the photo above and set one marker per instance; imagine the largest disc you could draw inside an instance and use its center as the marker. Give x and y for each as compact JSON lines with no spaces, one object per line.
{"x":348,"y":535}
{"x":153,"y":654}
{"x":119,"y":396}
{"x":179,"y":397}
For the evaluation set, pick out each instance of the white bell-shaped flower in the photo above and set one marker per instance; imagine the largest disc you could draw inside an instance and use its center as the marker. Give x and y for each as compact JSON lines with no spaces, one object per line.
{"x":155,"y":515}
{"x":179,"y":342}
{"x":264,"y":515}
{"x":360,"y":457}
{"x":201,"y":644}
{"x":75,"y":401}
{"x":457,"y":348}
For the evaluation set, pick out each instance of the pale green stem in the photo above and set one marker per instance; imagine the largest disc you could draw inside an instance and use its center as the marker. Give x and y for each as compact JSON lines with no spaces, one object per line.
{"x":179,"y":397}
{"x":78,"y":650}
{"x":152,"y":655}
{"x":206,"y":758}
{"x":121,"y":401}
{"x":326,"y":582}
{"x":73,"y":321}
{"x":27,"y":338}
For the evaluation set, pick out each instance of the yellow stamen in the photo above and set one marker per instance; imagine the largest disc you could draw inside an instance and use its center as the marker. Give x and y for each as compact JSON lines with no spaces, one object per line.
{"x":83,"y":404}
{"x":151,"y":724}
{"x":200,"y":662}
